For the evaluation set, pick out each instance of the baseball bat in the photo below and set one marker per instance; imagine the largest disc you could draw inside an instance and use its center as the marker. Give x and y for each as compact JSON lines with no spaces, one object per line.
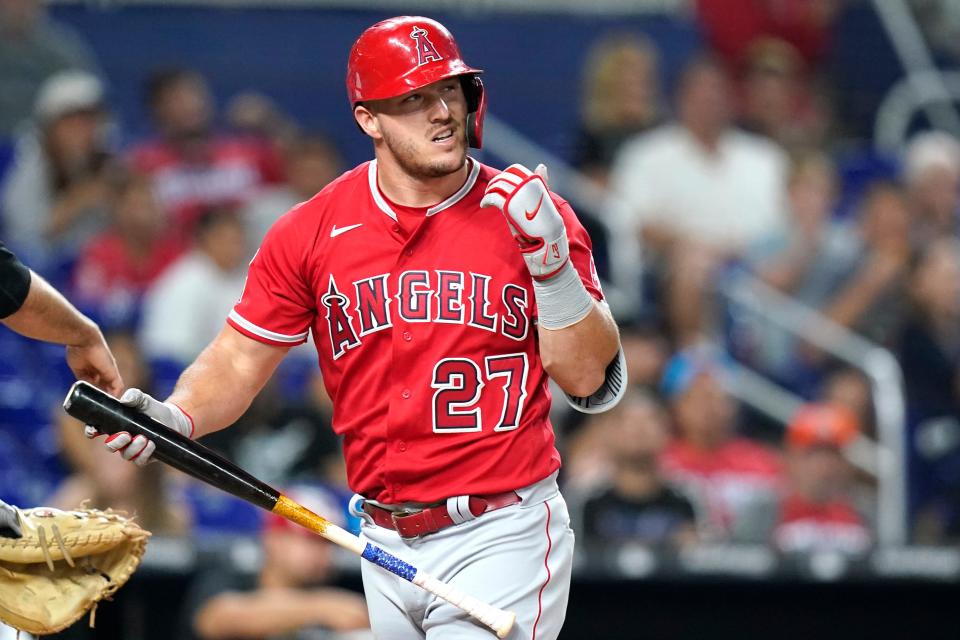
{"x":101,"y":410}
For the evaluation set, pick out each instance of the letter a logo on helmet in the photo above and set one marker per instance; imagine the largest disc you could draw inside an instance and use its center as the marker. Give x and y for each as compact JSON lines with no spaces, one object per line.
{"x":391,"y":58}
{"x":426,"y":52}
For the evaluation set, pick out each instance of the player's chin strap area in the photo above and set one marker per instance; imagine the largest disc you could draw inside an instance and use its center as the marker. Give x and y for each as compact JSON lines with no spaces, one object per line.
{"x":610,"y":392}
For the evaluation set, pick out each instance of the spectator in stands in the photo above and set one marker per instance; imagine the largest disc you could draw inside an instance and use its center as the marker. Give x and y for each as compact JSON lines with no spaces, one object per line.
{"x":184,"y":308}
{"x":698,"y":191}
{"x":932,"y":175}
{"x":817,"y":513}
{"x":106,"y":479}
{"x":792,"y":259}
{"x":806,"y":260}
{"x":32,"y":49}
{"x":646,"y":351}
{"x":54,"y":197}
{"x":289,"y":598}
{"x":734,"y":481}
{"x":778,"y":98}
{"x":117,"y":266}
{"x":849,"y":388}
{"x":930,"y":343}
{"x":621,"y":97}
{"x":929,"y":352}
{"x":868,"y":299}
{"x":253,"y":115}
{"x":192,"y":166}
{"x":636,"y":505}
{"x":311,"y":162}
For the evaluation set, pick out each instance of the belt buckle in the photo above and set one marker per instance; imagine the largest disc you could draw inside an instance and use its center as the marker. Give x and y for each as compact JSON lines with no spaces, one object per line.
{"x":403,"y":513}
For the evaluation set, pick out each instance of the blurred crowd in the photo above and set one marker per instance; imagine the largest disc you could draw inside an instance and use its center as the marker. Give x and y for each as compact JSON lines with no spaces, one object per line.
{"x":738,"y":167}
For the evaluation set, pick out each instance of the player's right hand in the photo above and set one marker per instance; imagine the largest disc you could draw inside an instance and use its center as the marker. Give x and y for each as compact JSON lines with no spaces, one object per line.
{"x":525,"y":201}
{"x":139,"y":449}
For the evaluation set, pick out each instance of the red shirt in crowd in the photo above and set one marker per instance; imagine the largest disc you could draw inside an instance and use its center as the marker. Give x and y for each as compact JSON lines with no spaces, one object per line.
{"x":223,"y":171}
{"x":726,"y":481}
{"x":108,"y":269}
{"x":732,"y":26}
{"x":809,"y":526}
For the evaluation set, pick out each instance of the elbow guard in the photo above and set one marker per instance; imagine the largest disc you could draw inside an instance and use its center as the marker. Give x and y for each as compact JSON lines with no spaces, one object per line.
{"x":610,"y":392}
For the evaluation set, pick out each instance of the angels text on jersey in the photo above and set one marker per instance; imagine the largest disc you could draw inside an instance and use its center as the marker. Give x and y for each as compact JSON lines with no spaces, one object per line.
{"x":370,"y":304}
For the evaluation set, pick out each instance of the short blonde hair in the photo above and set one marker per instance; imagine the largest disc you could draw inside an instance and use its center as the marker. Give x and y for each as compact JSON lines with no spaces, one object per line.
{"x":602,"y":72}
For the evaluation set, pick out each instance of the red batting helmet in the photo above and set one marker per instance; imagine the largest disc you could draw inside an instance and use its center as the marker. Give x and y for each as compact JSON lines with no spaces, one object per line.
{"x":405,"y":53}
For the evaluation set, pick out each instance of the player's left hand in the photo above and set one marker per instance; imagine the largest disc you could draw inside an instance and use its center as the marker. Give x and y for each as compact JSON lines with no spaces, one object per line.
{"x":525,"y":201}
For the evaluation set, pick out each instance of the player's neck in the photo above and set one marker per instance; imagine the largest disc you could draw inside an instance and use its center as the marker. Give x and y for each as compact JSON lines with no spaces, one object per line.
{"x":409,"y":191}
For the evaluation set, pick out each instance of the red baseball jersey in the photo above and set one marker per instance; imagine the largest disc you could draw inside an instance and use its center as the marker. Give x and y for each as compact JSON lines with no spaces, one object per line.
{"x":726,"y":481}
{"x":427,"y":341}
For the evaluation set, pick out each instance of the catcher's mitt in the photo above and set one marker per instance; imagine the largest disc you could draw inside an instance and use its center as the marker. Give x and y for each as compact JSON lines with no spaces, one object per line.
{"x":64,"y":564}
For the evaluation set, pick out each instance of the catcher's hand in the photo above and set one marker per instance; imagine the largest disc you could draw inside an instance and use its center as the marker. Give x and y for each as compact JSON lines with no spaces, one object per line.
{"x":64,"y":564}
{"x":9,"y":521}
{"x":525,"y":201}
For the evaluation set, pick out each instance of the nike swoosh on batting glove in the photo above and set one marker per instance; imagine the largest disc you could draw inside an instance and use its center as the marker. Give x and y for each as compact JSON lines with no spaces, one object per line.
{"x":139,"y":449}
{"x":523,"y":198}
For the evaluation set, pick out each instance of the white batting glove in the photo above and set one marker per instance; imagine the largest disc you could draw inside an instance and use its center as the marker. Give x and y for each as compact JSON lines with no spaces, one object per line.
{"x":523,"y":198}
{"x":139,"y":449}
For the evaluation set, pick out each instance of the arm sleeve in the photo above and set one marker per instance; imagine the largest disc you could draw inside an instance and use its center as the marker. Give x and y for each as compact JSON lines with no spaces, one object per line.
{"x":277,"y":306}
{"x":14,"y":282}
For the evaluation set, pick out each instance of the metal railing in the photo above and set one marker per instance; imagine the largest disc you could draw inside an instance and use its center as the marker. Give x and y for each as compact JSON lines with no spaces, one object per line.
{"x":924,"y":87}
{"x":886,"y":462}
{"x":880,"y":367}
{"x":914,"y":54}
{"x":917,"y":91}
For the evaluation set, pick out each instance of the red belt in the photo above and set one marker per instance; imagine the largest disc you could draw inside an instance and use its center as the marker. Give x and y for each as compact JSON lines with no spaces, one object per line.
{"x":411,"y":524}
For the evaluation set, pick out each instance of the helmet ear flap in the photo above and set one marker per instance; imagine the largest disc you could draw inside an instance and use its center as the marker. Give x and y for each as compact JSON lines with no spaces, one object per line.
{"x":476,"y":98}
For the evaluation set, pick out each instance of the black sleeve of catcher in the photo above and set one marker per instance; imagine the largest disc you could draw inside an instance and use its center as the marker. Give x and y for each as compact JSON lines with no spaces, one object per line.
{"x":14,"y":282}
{"x":9,"y":521}
{"x":610,"y":392}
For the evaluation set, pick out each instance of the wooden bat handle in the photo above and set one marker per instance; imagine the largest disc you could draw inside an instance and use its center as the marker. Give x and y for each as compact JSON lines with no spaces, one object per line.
{"x":94,"y":407}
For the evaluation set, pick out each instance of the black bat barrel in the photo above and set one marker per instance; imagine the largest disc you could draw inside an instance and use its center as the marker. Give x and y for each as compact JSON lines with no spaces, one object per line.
{"x":101,"y":410}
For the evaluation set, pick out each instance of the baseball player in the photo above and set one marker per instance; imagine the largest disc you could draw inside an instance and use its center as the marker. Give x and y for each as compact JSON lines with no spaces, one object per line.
{"x":441,"y":294}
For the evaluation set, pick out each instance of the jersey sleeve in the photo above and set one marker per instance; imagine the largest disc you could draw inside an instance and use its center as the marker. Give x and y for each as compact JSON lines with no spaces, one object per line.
{"x":14,"y":282}
{"x":581,"y":249}
{"x":277,"y":306}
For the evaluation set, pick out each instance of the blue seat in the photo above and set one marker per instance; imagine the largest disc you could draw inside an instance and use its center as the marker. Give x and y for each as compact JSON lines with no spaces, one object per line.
{"x":26,"y":478}
{"x":292,"y":377}
{"x":165,"y":372}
